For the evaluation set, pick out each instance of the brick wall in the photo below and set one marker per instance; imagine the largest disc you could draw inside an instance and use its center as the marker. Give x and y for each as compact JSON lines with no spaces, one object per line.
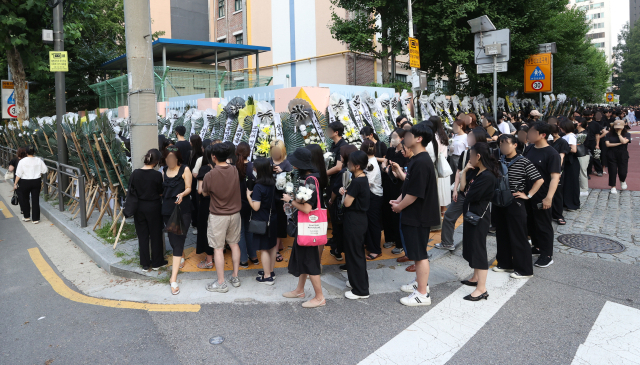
{"x":363,"y":70}
{"x":230,"y":23}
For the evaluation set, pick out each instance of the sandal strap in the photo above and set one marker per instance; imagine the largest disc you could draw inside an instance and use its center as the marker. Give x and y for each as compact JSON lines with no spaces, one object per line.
{"x":174,"y":284}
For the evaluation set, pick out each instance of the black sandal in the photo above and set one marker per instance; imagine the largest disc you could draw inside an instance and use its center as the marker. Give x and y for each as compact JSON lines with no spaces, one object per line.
{"x":279,"y":257}
{"x":561,"y":222}
{"x":370,"y":258}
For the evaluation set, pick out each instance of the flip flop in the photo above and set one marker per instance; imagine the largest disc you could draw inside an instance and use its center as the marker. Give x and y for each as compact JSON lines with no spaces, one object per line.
{"x":561,"y":222}
{"x":370,"y":258}
{"x":203,"y":265}
{"x":182,"y":263}
{"x":279,"y":257}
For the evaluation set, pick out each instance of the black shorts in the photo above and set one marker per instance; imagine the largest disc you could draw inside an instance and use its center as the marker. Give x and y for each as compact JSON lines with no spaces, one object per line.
{"x":415,"y":241}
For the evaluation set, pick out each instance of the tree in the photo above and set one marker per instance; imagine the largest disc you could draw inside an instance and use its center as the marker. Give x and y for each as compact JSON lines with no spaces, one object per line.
{"x":626,"y":76}
{"x":368,"y":19}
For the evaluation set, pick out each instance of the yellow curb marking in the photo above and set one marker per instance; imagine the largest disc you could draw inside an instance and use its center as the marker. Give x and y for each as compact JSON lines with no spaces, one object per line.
{"x":5,"y":211}
{"x":61,"y":288}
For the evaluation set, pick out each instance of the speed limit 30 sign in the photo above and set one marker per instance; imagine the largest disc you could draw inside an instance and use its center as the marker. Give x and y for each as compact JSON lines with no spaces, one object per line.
{"x":537,"y":85}
{"x":538,"y":73}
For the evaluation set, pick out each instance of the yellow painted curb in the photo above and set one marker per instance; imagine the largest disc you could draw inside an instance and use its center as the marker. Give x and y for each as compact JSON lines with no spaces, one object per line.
{"x":61,"y":288}
{"x":5,"y":211}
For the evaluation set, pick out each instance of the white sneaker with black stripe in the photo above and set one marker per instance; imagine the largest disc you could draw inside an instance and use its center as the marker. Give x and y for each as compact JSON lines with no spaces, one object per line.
{"x":416,"y":299}
{"x":409,"y":288}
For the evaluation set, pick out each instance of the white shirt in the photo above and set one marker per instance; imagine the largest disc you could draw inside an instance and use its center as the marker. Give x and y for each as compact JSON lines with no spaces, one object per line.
{"x":374,"y":177}
{"x":31,"y":168}
{"x":571,"y":139}
{"x":504,"y":128}
{"x":458,"y":144}
{"x":197,"y":166}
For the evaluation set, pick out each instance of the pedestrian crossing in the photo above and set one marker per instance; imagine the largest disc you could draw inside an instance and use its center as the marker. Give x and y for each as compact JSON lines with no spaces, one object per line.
{"x":445,"y":329}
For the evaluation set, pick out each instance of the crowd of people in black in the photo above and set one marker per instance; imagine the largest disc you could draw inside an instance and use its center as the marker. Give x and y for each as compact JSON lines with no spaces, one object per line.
{"x":512,"y":176}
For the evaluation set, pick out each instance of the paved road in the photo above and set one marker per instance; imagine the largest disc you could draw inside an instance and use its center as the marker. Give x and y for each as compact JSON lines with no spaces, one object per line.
{"x":556,"y":317}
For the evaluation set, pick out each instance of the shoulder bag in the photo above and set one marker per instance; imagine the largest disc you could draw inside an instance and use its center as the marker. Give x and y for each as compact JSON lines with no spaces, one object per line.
{"x":312,"y":227}
{"x":14,"y":198}
{"x":130,"y":203}
{"x":472,"y":218}
{"x":261,"y":227}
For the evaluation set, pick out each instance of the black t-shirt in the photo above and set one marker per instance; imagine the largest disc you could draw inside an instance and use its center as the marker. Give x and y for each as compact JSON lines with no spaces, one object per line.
{"x":335,"y":149}
{"x":396,"y":157}
{"x":337,"y":184}
{"x":479,"y":191}
{"x":246,"y":209}
{"x":147,"y":184}
{"x":547,"y":161}
{"x":14,"y":162}
{"x":185,"y":151}
{"x":614,"y":138}
{"x":421,"y":183}
{"x":359,"y":190}
{"x":203,"y":171}
{"x":593,"y":129}
{"x":266,"y":196}
{"x":562,"y":146}
{"x":381,"y":149}
{"x":310,"y":183}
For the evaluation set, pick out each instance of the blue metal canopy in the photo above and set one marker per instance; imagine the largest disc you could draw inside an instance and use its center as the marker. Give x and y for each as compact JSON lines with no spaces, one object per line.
{"x":181,"y":50}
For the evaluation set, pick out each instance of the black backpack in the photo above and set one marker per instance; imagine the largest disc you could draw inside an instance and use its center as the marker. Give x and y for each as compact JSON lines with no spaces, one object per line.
{"x":502,"y":196}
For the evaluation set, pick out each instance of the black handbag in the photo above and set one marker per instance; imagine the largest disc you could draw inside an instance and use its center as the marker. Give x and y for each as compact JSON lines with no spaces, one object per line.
{"x":472,"y":218}
{"x":581,"y":150}
{"x":130,"y":203}
{"x":260,"y":227}
{"x":14,"y":198}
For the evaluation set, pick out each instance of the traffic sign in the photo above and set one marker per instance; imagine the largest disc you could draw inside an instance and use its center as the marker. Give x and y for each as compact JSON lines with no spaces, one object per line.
{"x":538,"y":73}
{"x":484,"y":39}
{"x":58,"y":61}
{"x":414,"y":53}
{"x":9,"y":110}
{"x":488,"y":68}
{"x":610,"y":97}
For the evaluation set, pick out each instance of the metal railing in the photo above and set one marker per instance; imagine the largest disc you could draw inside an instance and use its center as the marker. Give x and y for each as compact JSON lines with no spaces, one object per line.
{"x":51,"y":182}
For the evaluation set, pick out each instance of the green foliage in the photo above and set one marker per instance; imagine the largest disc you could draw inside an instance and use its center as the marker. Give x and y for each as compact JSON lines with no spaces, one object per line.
{"x":397,"y":85}
{"x":626,"y":76}
{"x":105,"y":233}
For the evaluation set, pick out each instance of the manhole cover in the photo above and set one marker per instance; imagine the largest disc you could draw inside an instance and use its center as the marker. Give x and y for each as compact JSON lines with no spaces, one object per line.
{"x":590,"y":243}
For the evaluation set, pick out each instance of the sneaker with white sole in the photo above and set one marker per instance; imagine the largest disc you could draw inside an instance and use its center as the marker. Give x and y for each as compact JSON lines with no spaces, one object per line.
{"x":195,"y":231}
{"x":614,"y":191}
{"x":348,"y":284}
{"x":350,"y":295}
{"x":411,"y":287}
{"x":500,"y":269}
{"x":584,"y":193}
{"x":217,"y":287}
{"x":416,"y":299}
{"x":442,"y":246}
{"x":266,"y":281}
{"x":36,"y":222}
{"x":397,"y":251}
{"x":517,"y":275}
{"x":235,"y":281}
{"x":26,"y":219}
{"x":544,"y":261}
{"x":623,"y":186}
{"x":388,"y":244}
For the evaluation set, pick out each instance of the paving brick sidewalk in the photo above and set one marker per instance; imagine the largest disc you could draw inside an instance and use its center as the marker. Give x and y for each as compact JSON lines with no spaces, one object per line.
{"x":614,"y":216}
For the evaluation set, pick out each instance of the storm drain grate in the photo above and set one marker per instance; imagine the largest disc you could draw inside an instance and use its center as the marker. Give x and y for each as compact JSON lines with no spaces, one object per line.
{"x":590,"y":243}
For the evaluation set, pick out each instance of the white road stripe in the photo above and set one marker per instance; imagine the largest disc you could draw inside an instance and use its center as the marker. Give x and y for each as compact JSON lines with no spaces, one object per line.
{"x":613,"y":339}
{"x":441,"y":332}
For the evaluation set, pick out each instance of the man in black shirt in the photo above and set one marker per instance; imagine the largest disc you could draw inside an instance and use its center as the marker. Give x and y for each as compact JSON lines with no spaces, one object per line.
{"x":419,"y":210}
{"x":514,"y":252}
{"x":335,"y":131}
{"x":183,"y":145}
{"x":594,"y":129}
{"x":547,"y":160}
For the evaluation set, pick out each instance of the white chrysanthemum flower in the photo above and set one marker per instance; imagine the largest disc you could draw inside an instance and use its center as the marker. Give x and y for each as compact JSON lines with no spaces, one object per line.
{"x":304,"y":133}
{"x":288,"y":188}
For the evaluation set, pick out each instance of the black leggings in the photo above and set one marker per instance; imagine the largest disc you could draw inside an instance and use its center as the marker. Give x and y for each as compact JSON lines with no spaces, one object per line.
{"x":618,"y":165}
{"x":29,"y":189}
{"x":149,"y":230}
{"x":177,"y":242}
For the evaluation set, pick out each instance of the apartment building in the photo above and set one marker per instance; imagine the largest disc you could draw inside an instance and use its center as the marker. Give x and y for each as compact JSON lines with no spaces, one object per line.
{"x":303,"y":52}
{"x":634,"y":12}
{"x":606,"y":18}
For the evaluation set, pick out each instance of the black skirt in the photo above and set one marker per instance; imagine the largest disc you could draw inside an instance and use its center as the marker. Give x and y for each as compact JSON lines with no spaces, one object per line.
{"x":266,"y":241}
{"x":281,"y":224}
{"x":474,"y":243}
{"x":304,"y":260}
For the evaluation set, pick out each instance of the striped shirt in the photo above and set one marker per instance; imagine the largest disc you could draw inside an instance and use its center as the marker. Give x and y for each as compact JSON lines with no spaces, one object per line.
{"x":521,"y":171}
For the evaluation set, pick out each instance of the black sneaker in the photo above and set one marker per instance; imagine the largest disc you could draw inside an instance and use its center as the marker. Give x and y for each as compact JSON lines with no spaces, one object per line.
{"x":255,"y":261}
{"x":146,"y":268}
{"x":261,"y":274}
{"x":266,"y":281}
{"x":535,"y":251}
{"x":244,"y":265}
{"x":165,"y":263}
{"x":544,"y":261}
{"x":336,"y":254}
{"x":343,"y":268}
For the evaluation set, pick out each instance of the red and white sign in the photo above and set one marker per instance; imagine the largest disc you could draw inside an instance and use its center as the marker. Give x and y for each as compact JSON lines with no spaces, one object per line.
{"x":11,"y":110}
{"x":537,"y":85}
{"x":7,"y":102}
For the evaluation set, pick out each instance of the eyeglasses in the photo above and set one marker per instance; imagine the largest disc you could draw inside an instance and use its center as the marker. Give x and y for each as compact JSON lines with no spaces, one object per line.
{"x":172,"y":149}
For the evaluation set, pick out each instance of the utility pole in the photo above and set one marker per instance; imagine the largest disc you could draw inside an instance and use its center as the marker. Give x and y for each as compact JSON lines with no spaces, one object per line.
{"x":142,"y":95}
{"x":414,"y":71}
{"x":495,"y":88}
{"x":61,"y":98}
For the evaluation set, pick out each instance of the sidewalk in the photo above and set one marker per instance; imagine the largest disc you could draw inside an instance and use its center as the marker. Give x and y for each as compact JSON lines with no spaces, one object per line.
{"x":633,"y":177}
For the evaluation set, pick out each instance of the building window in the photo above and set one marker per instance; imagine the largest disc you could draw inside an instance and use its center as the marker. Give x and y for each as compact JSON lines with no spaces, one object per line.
{"x":595,"y":16}
{"x":222,"y":40}
{"x":239,"y":39}
{"x":220,"y":8}
{"x":595,"y":35}
{"x":238,"y":5}
{"x":597,"y":25}
{"x":599,"y":45}
{"x":597,"y":6}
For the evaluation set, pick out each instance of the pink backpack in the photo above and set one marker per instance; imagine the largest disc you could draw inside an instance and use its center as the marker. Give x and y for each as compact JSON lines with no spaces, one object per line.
{"x":312,"y":227}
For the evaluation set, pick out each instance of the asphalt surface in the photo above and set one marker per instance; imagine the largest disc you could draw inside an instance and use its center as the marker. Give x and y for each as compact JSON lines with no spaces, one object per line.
{"x":543,"y":323}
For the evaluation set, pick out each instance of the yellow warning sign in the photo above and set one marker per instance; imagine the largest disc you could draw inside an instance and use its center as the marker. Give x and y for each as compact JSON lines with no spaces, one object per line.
{"x":58,"y":61}
{"x":609,"y":97}
{"x":414,"y":53}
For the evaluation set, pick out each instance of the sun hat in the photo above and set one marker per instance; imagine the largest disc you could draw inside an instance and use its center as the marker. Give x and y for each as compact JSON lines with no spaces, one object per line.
{"x":301,"y":159}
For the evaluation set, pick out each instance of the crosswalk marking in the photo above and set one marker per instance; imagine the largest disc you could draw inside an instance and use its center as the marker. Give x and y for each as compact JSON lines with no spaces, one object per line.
{"x":443,"y":330}
{"x":613,"y":339}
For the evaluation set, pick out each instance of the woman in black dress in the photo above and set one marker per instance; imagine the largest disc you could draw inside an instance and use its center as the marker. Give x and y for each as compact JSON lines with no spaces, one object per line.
{"x":146,"y":184}
{"x":196,"y":153}
{"x":262,"y":202}
{"x":177,"y":187}
{"x":280,"y":165}
{"x":305,"y":260}
{"x":563,"y":148}
{"x":317,"y":160}
{"x":356,"y":203}
{"x":478,"y":181}
{"x":337,"y":230}
{"x":571,"y":171}
{"x":202,"y":241}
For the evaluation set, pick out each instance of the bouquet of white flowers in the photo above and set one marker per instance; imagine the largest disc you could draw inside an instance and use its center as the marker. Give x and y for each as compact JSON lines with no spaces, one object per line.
{"x":304,"y":194}
{"x":329,"y":160}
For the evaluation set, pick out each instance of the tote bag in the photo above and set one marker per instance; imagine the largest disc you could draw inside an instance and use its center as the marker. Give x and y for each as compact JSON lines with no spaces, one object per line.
{"x":312,"y":227}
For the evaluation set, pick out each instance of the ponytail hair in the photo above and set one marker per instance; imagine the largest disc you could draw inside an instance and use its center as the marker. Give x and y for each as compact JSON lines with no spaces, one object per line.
{"x":152,"y":157}
{"x":368,"y":147}
{"x":486,"y":157}
{"x":367,"y":131}
{"x":360,"y":159}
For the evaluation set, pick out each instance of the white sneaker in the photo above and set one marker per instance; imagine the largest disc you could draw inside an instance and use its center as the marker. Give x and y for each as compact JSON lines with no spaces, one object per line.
{"x":350,"y":295}
{"x":499,"y":269}
{"x":409,"y":288}
{"x":26,"y":219}
{"x":416,"y":299}
{"x":195,"y":231}
{"x":584,"y":193}
{"x":623,"y":186}
{"x":517,"y":275}
{"x":348,"y":284}
{"x":614,"y":191}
